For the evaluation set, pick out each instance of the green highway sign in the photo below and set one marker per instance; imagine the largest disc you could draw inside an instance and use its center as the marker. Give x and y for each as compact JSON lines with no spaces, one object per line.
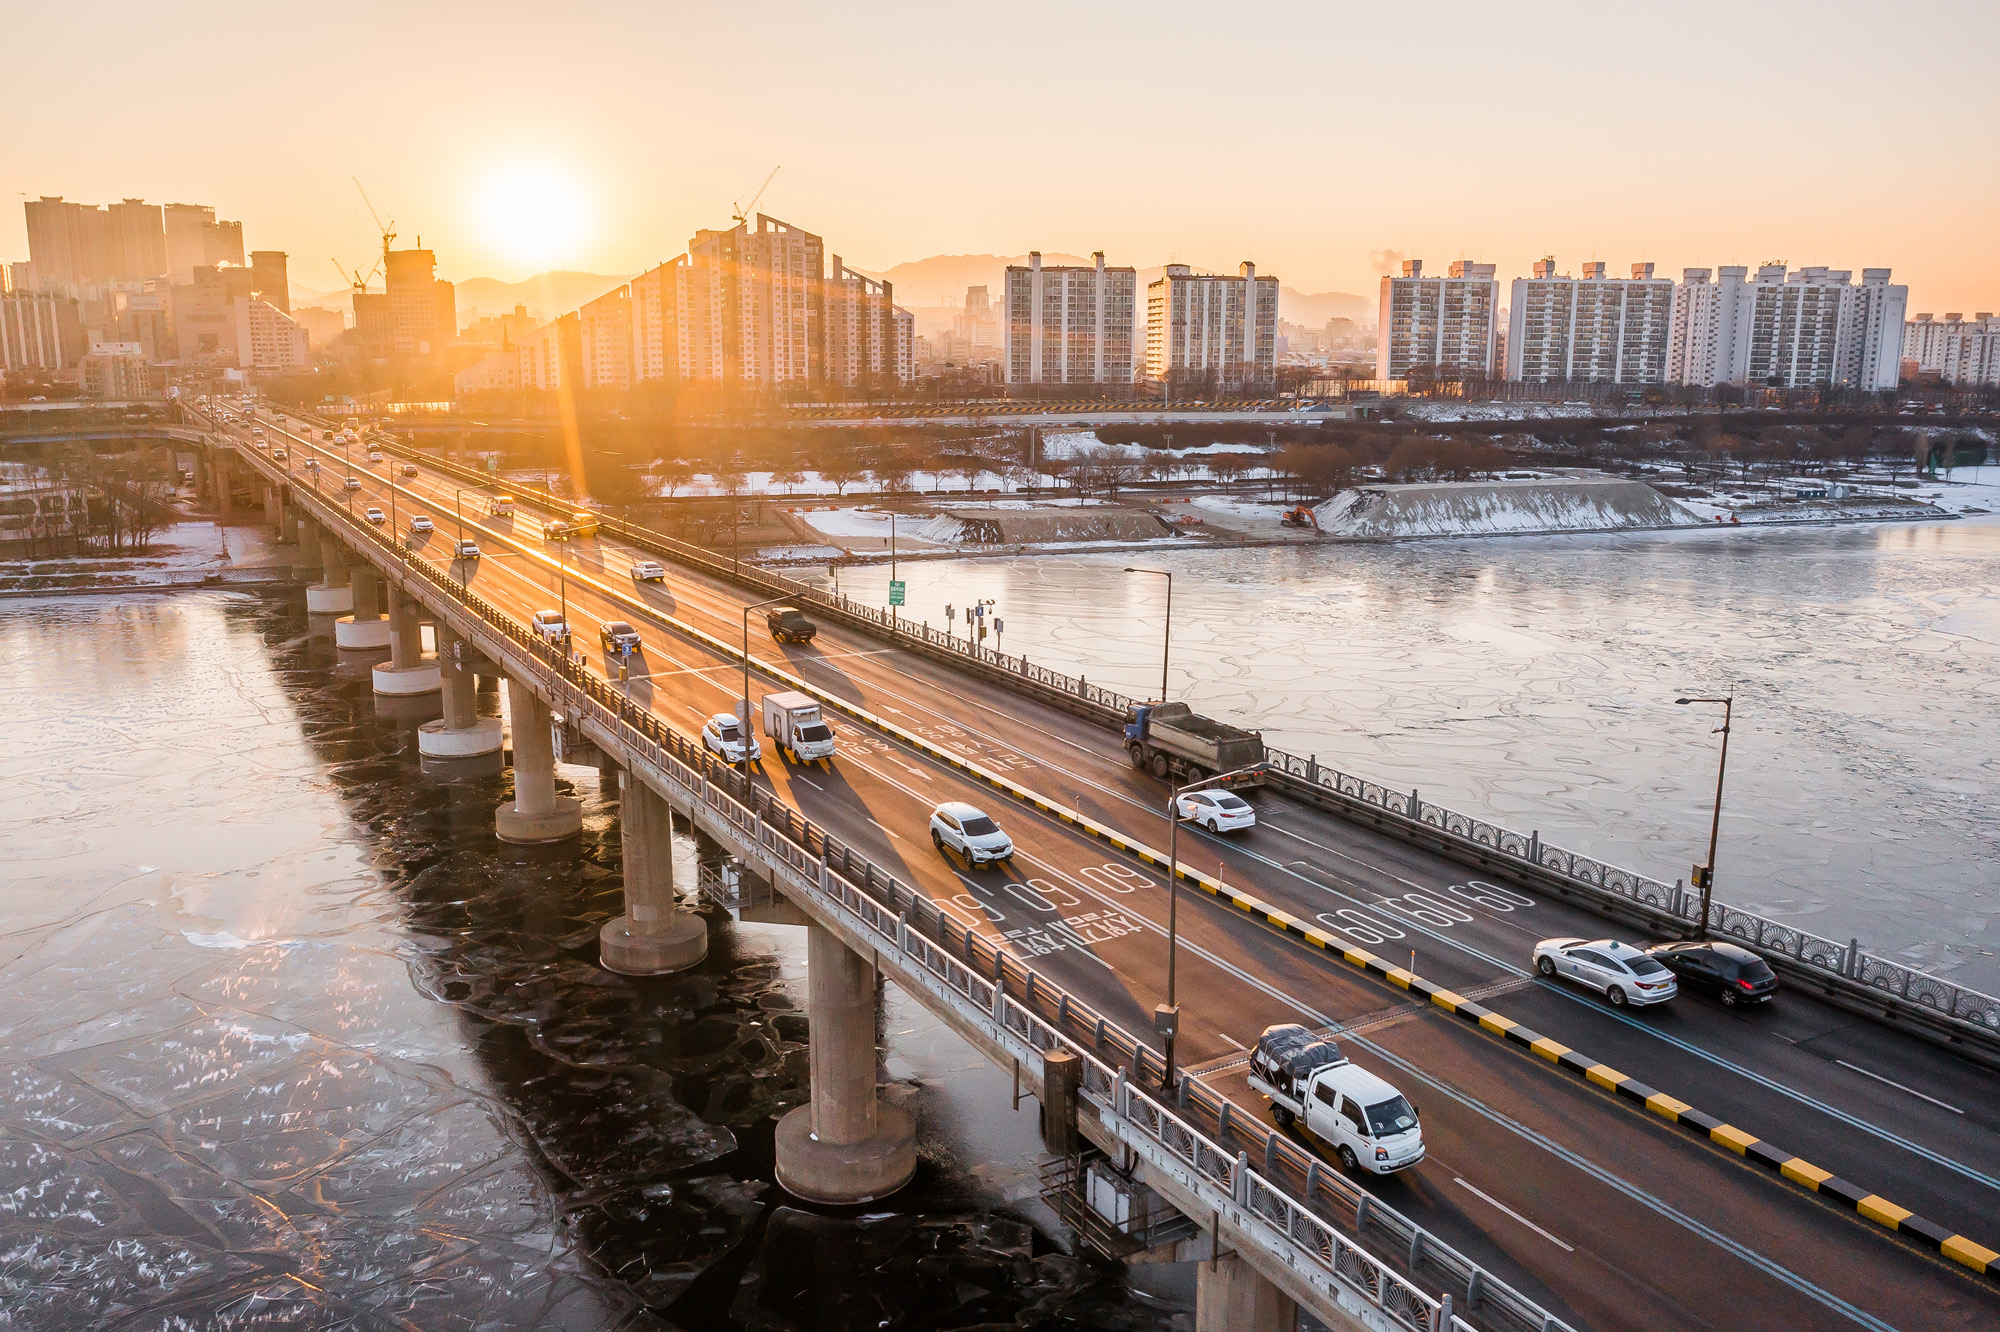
{"x":895,"y":591}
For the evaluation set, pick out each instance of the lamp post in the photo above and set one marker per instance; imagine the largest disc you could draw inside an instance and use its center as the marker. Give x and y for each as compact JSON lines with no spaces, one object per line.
{"x":1167,"y":635}
{"x":744,"y":716}
{"x":1167,"y":1017}
{"x":457,"y":513}
{"x":1707,"y":872}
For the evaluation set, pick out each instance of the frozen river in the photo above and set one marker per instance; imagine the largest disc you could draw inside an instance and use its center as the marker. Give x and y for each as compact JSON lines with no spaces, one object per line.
{"x":290,"y":1040}
{"x":1531,"y":681}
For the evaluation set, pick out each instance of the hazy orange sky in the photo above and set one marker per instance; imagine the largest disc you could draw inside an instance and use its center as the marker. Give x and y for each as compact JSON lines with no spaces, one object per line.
{"x":1320,"y":140}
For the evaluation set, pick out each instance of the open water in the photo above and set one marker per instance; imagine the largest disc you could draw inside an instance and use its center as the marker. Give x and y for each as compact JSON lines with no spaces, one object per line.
{"x":288,"y":1039}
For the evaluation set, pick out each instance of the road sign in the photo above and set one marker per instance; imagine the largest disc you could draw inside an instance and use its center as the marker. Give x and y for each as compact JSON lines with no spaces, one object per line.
{"x":895,"y":591}
{"x":492,"y":462}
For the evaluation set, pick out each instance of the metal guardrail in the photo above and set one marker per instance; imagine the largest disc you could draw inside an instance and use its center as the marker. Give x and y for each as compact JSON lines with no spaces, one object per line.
{"x":1284,"y":1193}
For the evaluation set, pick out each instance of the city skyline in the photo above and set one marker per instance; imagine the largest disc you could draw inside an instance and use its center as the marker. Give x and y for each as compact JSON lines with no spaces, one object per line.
{"x":518,"y":162}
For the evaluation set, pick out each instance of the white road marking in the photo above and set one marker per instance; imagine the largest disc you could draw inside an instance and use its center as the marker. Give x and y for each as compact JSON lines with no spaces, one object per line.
{"x":886,"y":828}
{"x":809,"y":781}
{"x":1899,"y":1086}
{"x":1232,"y":1040}
{"x":1480,"y":1193}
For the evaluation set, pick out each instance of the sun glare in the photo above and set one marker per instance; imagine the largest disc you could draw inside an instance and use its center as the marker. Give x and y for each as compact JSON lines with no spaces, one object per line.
{"x":533,"y":215}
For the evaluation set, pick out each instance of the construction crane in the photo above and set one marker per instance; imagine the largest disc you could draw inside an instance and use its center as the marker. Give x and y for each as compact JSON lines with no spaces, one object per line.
{"x":388,"y":230}
{"x":739,"y":211}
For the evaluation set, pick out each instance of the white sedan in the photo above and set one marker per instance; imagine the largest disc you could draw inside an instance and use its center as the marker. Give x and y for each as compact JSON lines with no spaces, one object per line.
{"x":1217,"y":810}
{"x":550,"y":626}
{"x":647,"y":571}
{"x":1624,"y":974}
{"x":375,"y":515}
{"x":957,"y":826}
{"x":723,"y":734}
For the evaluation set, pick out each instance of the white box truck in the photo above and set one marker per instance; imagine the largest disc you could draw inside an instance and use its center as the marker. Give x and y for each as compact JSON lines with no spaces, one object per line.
{"x":793,"y":722}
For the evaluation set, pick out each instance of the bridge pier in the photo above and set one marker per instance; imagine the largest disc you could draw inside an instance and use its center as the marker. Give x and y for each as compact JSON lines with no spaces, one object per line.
{"x":333,"y":594}
{"x":655,"y":935}
{"x":1232,"y":1296}
{"x":461,"y":732}
{"x":225,"y":496}
{"x":274,"y":511}
{"x":406,"y":672}
{"x":366,"y":627}
{"x":537,"y":814}
{"x":846,"y":1146}
{"x":307,"y":535}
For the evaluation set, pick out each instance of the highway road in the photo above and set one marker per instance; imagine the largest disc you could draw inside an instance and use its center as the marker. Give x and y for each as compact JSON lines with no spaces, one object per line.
{"x":1607,"y":1214}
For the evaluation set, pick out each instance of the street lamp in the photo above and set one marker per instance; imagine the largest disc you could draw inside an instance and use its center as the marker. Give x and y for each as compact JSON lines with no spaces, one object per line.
{"x":745,"y":714}
{"x":1167,"y":1017}
{"x":458,"y":513}
{"x":1705,"y":874}
{"x":1167,"y":635}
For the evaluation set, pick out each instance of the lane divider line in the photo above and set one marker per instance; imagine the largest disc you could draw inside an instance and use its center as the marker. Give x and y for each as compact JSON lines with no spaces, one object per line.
{"x":1960,"y":1249}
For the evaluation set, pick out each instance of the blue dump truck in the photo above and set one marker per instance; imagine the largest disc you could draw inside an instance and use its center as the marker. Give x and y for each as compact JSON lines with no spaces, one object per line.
{"x":1173,"y":743}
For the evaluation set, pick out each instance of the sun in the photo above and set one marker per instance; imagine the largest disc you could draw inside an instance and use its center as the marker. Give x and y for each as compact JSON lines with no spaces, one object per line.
{"x":533,"y":215}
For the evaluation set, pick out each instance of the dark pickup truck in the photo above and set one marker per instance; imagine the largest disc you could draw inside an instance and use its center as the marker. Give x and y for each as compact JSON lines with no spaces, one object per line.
{"x":788,"y":624}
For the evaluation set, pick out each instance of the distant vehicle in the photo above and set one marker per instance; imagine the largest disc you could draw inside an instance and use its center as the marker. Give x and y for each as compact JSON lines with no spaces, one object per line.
{"x":647,"y":571}
{"x":1300,"y":516}
{"x":556,"y":529}
{"x":1172,"y":741}
{"x":793,"y":720}
{"x":375,"y":515}
{"x":409,"y":469}
{"x":957,"y":826}
{"x":788,"y":624}
{"x":351,"y":483}
{"x":1624,"y":974}
{"x":723,"y":734}
{"x":326,"y":434}
{"x":1370,"y":1124}
{"x":280,"y":454}
{"x":312,"y":464}
{"x":1734,"y":975}
{"x":421,"y":524}
{"x":583,"y":524}
{"x":618,"y":636}
{"x":1217,"y":810}
{"x":500,"y":506}
{"x":465,"y":550}
{"x":549,"y":626}
{"x":374,"y":455}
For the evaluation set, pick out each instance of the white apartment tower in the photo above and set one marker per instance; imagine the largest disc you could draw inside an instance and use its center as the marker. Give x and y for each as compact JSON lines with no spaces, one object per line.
{"x":606,"y":331}
{"x":1592,"y":330}
{"x":1208,"y":329}
{"x":860,"y":324}
{"x":677,"y":323}
{"x":1447,"y":323}
{"x":1066,"y":325}
{"x":1959,"y":350}
{"x":1813,"y":328}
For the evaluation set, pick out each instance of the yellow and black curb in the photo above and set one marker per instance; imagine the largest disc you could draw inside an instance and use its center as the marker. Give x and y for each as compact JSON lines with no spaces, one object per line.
{"x":1799,"y":1171}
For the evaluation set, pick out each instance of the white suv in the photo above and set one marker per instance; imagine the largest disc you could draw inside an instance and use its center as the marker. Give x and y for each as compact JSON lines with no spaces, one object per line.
{"x":1625,"y":975}
{"x":965,"y":829}
{"x":550,"y":626}
{"x":723,"y":734}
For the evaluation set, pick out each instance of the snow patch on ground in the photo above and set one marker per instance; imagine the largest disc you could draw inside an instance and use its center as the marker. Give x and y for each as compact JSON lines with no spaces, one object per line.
{"x":1494,"y":508}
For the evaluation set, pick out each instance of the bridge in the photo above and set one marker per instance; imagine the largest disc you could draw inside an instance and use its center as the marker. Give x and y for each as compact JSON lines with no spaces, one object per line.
{"x":1830,"y":1162}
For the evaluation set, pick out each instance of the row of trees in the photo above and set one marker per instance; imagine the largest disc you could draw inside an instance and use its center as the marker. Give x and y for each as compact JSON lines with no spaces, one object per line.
{"x":87,"y":502}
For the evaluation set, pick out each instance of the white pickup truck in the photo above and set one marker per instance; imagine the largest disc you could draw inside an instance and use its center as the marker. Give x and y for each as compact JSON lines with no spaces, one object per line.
{"x":794,"y":722}
{"x":1368,"y":1123}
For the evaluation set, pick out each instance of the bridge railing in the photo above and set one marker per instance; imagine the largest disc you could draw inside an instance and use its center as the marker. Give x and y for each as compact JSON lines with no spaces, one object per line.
{"x":1813,"y":953}
{"x":1301,"y":1201}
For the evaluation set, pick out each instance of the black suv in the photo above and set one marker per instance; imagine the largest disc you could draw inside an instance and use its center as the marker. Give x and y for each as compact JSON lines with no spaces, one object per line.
{"x":1735,"y":975}
{"x":788,"y":624}
{"x":616,"y":635}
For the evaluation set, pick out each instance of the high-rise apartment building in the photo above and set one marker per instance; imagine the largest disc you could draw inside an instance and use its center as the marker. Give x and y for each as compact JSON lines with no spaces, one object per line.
{"x":204,"y":313}
{"x":770,"y":275}
{"x":269,"y":278}
{"x":860,"y":328}
{"x":1444,"y":325}
{"x":1208,"y":331}
{"x":267,"y":338}
{"x":423,"y":314}
{"x":677,"y":323}
{"x":68,"y":243}
{"x":1593,"y":329}
{"x":40,"y":331}
{"x":605,"y":335}
{"x":1070,"y":324}
{"x":138,"y":241}
{"x":1958,"y":350}
{"x":1812,"y":328}
{"x":195,"y":239}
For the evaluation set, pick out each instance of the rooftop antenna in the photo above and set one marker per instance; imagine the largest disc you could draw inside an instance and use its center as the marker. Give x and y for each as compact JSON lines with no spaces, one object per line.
{"x":737,"y":211}
{"x":388,"y":230}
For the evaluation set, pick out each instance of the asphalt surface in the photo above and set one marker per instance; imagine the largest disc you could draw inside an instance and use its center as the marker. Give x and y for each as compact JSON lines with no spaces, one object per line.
{"x":1607,"y":1214}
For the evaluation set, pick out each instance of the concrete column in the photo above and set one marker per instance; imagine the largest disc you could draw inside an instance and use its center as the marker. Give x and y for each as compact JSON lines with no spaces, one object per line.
{"x":273,"y":511}
{"x":537,"y":813}
{"x":309,"y":543}
{"x":1231,"y":1296}
{"x":846,"y":1147}
{"x":655,"y":935}
{"x":288,"y":526}
{"x":333,"y":594}
{"x":406,"y":672}
{"x":461,"y":732}
{"x":367,"y":627}
{"x":225,"y":499}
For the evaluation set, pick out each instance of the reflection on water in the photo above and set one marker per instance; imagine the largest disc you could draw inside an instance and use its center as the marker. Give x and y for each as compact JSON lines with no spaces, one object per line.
{"x":291,"y":1039}
{"x":1532,"y":681}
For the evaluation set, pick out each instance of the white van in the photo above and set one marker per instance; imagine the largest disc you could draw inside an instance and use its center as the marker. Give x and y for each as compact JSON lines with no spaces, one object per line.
{"x":1369,"y":1124}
